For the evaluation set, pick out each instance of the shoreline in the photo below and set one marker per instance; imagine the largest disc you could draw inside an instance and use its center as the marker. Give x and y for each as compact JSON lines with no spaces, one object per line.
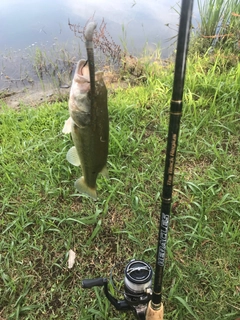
{"x":131,"y":72}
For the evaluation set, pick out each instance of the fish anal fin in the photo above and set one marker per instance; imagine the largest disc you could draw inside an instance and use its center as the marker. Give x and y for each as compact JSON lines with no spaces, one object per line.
{"x":104,"y":172}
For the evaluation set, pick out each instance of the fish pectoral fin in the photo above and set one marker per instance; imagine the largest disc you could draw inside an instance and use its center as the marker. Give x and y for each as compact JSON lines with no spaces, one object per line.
{"x":72,"y":157}
{"x":82,"y":187}
{"x":67,"y":126}
{"x":104,"y":172}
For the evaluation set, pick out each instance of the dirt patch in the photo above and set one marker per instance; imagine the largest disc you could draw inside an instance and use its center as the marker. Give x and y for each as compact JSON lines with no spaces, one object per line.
{"x":34,"y":96}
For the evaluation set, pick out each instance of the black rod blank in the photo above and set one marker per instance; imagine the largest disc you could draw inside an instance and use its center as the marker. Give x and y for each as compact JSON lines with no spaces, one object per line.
{"x":173,"y":133}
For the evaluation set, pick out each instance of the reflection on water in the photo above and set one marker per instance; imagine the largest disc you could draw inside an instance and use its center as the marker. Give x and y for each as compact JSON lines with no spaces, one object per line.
{"x":31,"y":27}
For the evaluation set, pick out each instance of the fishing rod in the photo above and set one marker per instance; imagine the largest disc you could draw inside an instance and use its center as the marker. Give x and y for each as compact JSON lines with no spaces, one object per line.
{"x":139,"y":297}
{"x":155,"y":306}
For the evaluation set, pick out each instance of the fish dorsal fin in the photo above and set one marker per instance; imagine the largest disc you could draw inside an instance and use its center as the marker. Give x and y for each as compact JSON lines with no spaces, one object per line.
{"x":73,"y":157}
{"x":98,"y":75}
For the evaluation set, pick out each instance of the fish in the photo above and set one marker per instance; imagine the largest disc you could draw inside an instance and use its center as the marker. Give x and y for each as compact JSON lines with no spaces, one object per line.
{"x":88,"y":123}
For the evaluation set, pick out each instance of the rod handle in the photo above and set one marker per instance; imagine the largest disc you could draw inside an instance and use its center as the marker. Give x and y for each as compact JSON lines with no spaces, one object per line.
{"x":97,"y":282}
{"x":152,"y":314}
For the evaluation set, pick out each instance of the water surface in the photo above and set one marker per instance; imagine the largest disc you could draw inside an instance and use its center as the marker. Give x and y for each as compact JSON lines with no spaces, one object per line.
{"x":28,"y":25}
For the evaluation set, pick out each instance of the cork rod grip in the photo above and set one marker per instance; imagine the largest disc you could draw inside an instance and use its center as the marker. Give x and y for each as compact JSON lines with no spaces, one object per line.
{"x":154,"y":314}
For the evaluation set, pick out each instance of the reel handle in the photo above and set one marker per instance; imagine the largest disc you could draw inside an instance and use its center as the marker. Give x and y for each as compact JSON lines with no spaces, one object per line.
{"x":90,"y":283}
{"x":120,"y":305}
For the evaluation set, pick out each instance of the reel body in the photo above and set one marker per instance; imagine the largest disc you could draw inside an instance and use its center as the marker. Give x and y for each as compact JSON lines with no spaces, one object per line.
{"x":137,"y":288}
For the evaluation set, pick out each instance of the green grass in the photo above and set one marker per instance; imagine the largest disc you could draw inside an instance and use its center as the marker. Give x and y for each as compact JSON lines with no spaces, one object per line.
{"x":42,"y":217}
{"x":219,"y":25}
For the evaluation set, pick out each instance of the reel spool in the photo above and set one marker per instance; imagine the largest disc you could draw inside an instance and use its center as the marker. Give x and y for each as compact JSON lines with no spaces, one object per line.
{"x":137,"y":282}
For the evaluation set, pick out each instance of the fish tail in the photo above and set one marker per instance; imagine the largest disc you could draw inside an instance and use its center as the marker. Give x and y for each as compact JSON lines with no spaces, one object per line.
{"x":82,"y":187}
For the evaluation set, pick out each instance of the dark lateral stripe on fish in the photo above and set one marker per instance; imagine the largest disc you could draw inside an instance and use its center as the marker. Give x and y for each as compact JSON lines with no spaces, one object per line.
{"x":88,"y":34}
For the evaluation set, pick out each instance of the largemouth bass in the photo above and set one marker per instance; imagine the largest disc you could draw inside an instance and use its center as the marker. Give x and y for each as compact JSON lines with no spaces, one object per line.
{"x":88,"y":123}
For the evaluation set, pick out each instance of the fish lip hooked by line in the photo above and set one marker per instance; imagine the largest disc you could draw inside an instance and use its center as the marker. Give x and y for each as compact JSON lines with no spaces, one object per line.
{"x":81,"y":75}
{"x":81,"y":70}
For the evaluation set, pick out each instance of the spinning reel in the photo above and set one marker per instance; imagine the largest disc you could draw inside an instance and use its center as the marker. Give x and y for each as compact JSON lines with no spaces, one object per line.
{"x":137,"y":288}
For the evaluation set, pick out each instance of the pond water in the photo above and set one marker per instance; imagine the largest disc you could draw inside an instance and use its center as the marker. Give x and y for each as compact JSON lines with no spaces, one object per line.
{"x":31,"y":30}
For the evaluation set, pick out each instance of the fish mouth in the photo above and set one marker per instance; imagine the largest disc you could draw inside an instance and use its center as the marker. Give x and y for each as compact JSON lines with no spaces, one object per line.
{"x":82,"y":73}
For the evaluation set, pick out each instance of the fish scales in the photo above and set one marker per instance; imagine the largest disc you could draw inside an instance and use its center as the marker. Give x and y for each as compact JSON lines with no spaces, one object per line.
{"x":90,"y":134}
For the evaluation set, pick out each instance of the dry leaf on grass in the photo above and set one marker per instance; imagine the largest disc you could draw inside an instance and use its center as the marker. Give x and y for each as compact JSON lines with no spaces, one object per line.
{"x":71,"y":258}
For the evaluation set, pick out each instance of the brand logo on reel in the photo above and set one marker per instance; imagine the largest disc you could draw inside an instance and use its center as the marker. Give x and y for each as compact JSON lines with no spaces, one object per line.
{"x":163,"y":239}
